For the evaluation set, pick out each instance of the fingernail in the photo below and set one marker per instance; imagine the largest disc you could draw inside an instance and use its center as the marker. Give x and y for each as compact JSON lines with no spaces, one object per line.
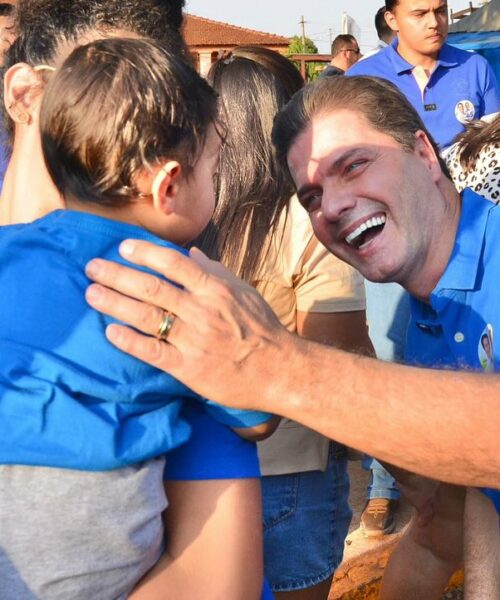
{"x":113,"y":333}
{"x":127,"y":248}
{"x":93,"y":268}
{"x":93,"y":294}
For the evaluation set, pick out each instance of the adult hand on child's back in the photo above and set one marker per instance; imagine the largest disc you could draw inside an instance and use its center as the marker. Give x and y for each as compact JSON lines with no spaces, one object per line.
{"x":223,"y":338}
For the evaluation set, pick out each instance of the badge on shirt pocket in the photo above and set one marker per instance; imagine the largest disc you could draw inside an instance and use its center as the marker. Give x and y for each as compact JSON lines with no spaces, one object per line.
{"x":465,"y":111}
{"x":485,"y":349}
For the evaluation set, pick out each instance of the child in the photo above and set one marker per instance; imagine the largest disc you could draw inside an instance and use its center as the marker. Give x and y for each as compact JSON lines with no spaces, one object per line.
{"x":129,"y":137}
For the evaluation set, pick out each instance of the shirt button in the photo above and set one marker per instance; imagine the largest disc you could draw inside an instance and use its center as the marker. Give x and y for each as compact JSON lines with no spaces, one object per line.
{"x":459,"y":337}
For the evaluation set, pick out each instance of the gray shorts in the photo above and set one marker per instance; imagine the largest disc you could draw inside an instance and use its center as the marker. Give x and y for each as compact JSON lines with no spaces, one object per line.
{"x":78,"y":535}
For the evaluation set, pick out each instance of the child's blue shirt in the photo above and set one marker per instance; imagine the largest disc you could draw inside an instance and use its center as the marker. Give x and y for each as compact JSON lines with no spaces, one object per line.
{"x":68,"y":398}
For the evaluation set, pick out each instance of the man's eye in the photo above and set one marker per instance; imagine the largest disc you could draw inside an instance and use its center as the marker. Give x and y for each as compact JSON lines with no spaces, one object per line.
{"x":354,"y":165}
{"x":311,"y":202}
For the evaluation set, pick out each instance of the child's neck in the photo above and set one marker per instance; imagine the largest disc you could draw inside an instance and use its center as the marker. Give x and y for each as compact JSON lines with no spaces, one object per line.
{"x":123,"y":214}
{"x":137,"y":211}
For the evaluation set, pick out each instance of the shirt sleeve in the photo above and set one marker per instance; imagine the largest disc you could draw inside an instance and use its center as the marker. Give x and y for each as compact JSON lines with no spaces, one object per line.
{"x":494,"y":496}
{"x":327,"y":284}
{"x":491,"y":95}
{"x":212,"y":452}
{"x":233,"y":417}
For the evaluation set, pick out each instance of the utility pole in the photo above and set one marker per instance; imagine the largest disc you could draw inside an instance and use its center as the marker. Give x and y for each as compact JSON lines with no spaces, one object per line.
{"x":331,"y":36}
{"x":302,"y":23}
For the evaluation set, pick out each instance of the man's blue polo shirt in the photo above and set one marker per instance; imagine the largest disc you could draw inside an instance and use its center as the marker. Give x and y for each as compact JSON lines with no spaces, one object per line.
{"x":458,"y":327}
{"x":461,"y":79}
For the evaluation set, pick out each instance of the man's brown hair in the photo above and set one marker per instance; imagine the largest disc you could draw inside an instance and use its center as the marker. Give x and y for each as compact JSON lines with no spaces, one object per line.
{"x":343,"y":41}
{"x":384,"y":107}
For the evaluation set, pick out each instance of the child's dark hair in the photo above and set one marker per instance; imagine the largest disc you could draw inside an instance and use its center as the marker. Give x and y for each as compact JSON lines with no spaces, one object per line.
{"x":116,"y":106}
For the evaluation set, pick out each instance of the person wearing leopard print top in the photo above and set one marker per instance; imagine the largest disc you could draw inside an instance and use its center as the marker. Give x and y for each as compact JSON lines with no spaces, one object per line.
{"x":474,"y":159}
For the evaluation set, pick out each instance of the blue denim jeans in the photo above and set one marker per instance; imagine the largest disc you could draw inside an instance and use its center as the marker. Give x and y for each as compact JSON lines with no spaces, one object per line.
{"x":387,"y":313}
{"x":306,"y":520}
{"x":383,"y":484}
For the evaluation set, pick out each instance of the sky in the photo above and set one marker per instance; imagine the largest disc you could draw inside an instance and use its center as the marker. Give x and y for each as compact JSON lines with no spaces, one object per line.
{"x":323,"y":17}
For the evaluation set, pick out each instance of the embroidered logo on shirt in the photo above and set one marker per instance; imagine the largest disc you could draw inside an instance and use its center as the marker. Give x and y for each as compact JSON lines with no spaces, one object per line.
{"x":485,"y":349}
{"x":464,"y":111}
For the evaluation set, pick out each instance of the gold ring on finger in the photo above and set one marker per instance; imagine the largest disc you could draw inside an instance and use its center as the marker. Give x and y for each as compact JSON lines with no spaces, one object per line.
{"x":165,"y":326}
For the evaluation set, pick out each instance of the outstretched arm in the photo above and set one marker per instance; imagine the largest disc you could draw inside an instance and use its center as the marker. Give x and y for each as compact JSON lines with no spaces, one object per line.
{"x":227,"y":345}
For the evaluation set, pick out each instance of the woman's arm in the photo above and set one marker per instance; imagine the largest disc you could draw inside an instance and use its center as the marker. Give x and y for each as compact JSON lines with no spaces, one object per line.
{"x":258,"y":433}
{"x":213,"y":521}
{"x":214,"y":543}
{"x":344,"y":330}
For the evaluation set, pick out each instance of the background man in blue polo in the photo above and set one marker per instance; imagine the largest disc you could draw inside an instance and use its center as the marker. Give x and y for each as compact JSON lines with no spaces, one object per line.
{"x":379,"y":197}
{"x":447,"y":86}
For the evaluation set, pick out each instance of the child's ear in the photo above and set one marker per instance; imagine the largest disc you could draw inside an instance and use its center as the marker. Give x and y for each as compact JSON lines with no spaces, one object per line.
{"x":165,"y":187}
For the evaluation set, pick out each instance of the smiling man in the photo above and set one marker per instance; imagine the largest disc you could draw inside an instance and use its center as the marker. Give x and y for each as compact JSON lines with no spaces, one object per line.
{"x":380,"y":198}
{"x":448,"y":87}
{"x":367,"y":217}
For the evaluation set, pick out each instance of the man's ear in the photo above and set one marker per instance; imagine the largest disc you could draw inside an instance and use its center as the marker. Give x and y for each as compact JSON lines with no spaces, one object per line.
{"x":425,"y":150}
{"x":23,"y":89}
{"x":165,"y":187}
{"x":390,"y":19}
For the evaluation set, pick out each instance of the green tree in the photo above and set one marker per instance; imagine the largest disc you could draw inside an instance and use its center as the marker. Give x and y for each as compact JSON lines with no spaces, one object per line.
{"x":297,"y":47}
{"x":307,"y":47}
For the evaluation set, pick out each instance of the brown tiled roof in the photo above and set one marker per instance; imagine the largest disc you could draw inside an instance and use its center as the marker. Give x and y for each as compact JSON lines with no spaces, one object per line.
{"x":199,"y":31}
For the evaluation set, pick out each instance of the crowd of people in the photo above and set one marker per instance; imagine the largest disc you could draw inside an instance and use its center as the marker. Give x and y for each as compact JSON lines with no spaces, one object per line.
{"x":174,"y":421}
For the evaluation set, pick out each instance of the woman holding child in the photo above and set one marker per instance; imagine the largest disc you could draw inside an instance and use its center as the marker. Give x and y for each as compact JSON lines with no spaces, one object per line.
{"x":85,"y":409}
{"x":155,"y":187}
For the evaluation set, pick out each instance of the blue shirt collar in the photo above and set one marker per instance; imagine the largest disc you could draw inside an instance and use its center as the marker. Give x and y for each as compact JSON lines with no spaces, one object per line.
{"x":461,"y":272}
{"x":462,"y":269}
{"x":446,"y":58}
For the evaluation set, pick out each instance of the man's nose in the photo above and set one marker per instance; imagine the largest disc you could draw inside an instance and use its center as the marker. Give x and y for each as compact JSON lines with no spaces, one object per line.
{"x":432,"y":20}
{"x":337,"y":203}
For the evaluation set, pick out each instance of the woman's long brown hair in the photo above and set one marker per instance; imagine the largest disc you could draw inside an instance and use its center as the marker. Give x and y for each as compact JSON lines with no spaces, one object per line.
{"x":479,"y":134}
{"x":252,"y":187}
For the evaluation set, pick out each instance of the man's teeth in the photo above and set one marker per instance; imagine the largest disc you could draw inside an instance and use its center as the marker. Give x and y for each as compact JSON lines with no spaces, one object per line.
{"x":373,"y":222}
